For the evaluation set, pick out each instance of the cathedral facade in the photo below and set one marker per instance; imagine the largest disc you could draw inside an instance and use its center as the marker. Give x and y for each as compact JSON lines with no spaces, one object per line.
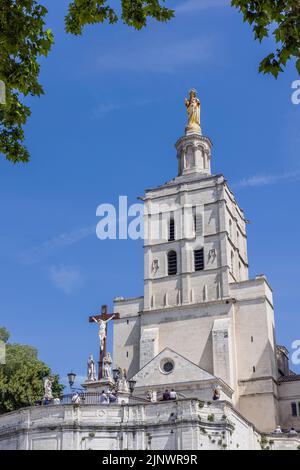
{"x":200,"y":311}
{"x":202,"y":328}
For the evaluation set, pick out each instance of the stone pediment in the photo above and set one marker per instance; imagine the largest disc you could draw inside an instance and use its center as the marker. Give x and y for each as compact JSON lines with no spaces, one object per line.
{"x":168,"y":368}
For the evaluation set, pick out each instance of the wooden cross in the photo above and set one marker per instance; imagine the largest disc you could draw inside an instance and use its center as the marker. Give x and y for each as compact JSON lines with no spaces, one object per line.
{"x":104,"y":316}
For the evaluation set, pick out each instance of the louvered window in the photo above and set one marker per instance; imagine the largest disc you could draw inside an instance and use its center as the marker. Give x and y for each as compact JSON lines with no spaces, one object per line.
{"x":199,"y":260}
{"x":198,"y":228}
{"x":171,"y":230}
{"x":172,"y":263}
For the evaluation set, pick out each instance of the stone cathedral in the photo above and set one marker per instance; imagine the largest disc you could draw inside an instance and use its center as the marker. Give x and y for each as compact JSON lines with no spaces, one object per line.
{"x":201,"y":318}
{"x":202,"y":328}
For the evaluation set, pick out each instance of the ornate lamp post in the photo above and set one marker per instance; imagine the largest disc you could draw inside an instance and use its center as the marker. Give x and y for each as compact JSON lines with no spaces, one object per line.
{"x":131,"y":385}
{"x":71,"y":379}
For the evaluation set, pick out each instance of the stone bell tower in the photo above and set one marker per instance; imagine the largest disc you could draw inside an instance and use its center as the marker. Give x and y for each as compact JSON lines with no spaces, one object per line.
{"x":198,"y":299}
{"x":188,"y":255}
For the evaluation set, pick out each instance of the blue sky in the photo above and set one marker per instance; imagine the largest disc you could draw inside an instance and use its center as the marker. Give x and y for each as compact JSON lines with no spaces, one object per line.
{"x":112,"y":111}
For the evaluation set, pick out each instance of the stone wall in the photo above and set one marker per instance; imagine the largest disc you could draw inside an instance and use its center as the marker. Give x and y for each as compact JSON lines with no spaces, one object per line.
{"x":182,"y":425}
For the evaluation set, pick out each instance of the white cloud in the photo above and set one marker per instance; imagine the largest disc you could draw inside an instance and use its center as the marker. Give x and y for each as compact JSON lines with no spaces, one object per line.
{"x":66,"y":279}
{"x":158,"y":55}
{"x":38,"y":253}
{"x":103,"y":109}
{"x":264,"y":180}
{"x":191,"y":6}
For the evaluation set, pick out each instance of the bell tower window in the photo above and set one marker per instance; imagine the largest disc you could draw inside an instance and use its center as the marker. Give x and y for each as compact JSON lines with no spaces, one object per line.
{"x":172,"y":230}
{"x":199,"y":260}
{"x":172,"y":263}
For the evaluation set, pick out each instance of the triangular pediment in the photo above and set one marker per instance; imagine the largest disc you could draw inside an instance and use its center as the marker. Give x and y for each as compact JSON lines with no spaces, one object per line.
{"x":170,"y":367}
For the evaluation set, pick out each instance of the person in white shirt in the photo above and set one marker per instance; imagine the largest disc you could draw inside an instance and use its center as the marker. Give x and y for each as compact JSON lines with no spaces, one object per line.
{"x":278,"y":430}
{"x":173,"y":395}
{"x":292,"y":432}
{"x":76,"y":399}
{"x":104,"y":398}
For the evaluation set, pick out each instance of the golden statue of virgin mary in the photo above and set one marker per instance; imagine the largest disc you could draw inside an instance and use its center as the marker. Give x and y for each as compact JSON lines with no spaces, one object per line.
{"x":193,"y":110}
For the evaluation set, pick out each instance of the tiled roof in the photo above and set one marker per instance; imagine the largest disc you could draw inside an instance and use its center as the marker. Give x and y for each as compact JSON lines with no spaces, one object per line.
{"x":289,"y":378}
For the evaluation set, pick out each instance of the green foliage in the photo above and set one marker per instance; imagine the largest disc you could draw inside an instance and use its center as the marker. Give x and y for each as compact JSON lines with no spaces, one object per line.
{"x":21,"y":378}
{"x":4,"y":334}
{"x":23,"y":39}
{"x":211,"y":417}
{"x":134,"y":13}
{"x":279,"y":19}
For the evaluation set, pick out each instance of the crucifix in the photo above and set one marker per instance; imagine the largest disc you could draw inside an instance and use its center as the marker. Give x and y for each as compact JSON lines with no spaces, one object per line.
{"x":102,"y":321}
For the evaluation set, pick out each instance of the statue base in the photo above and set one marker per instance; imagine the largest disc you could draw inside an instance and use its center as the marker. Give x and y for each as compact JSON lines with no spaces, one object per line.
{"x":97,"y":386}
{"x":123,"y":398}
{"x":196,"y":129}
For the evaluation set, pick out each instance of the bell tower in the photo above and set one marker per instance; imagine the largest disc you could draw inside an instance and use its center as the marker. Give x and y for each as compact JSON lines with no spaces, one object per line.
{"x":195,"y":233}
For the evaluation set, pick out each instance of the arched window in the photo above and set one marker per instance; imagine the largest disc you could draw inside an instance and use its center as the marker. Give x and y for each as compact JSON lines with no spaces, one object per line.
{"x":171,"y":229}
{"x":172,"y":263}
{"x":230,"y":228}
{"x":189,"y":157}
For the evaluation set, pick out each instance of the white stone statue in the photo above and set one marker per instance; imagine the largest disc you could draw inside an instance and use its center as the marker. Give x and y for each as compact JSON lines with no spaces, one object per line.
{"x":107,"y":362}
{"x":102,"y":330}
{"x":91,"y":369}
{"x":48,"y":382}
{"x":122,"y":384}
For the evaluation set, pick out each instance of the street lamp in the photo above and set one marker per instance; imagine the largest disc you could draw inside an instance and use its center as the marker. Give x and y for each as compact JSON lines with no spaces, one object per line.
{"x":71,"y":378}
{"x":131,"y":385}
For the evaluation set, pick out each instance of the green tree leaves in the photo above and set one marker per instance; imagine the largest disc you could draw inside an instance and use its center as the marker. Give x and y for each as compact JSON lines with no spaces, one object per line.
{"x":23,"y":39}
{"x":4,"y":334}
{"x":21,"y":378}
{"x":84,"y":12}
{"x":277,"y":18}
{"x":134,"y":13}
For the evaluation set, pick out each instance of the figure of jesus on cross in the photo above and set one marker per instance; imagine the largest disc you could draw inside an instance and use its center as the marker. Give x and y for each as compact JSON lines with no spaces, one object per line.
{"x":102,"y":330}
{"x":102,"y":321}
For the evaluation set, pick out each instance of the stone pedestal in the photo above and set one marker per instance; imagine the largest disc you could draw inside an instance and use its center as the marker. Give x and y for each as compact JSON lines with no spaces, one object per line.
{"x":123,"y":398}
{"x":97,"y":386}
